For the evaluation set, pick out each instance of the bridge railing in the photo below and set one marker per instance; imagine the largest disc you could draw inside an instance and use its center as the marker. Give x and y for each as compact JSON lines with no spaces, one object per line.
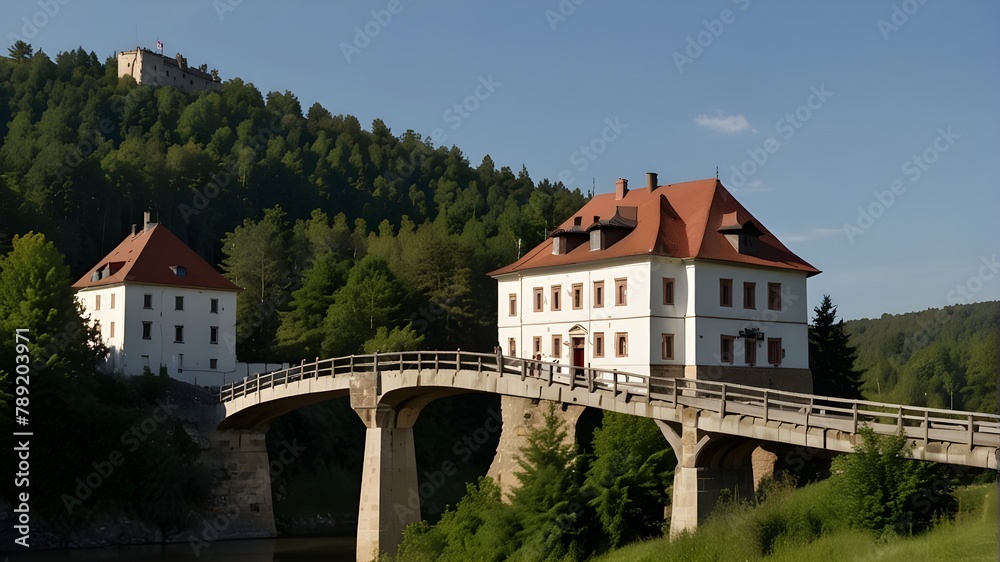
{"x":927,"y":424}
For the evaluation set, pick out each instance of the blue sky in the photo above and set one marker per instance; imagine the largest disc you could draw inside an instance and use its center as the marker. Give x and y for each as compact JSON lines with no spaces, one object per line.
{"x":864,"y":134}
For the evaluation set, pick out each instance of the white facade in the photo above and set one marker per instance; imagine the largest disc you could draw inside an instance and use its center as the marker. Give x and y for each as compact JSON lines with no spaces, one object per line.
{"x":696,"y":320}
{"x":139,"y":324}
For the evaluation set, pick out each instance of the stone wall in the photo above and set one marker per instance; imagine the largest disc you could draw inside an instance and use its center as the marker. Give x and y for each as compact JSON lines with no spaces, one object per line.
{"x":521,"y":416}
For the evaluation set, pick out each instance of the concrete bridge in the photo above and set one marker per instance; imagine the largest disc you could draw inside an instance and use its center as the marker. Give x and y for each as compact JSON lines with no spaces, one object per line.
{"x":712,"y":427}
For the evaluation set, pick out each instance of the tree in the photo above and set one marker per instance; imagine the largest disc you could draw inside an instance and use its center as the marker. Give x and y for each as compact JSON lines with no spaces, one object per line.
{"x":36,"y":295}
{"x":831,"y":358}
{"x":20,"y":51}
{"x":629,"y":477}
{"x":301,"y":331}
{"x":887,"y":492}
{"x":399,"y":339}
{"x":258,"y":261}
{"x":370,"y":299}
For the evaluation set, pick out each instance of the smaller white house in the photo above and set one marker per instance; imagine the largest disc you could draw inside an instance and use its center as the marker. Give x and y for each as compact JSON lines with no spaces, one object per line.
{"x":157,"y":303}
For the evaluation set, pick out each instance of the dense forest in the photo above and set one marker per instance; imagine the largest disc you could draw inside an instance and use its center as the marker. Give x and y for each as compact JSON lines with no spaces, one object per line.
{"x":940,"y":358}
{"x":85,"y":152}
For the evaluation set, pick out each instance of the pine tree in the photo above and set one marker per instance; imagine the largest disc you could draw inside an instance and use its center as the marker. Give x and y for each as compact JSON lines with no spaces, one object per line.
{"x":831,"y":358}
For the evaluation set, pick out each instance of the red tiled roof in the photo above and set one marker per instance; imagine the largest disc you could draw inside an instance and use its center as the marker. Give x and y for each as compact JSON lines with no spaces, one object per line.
{"x":152,"y":256}
{"x":679,"y":220}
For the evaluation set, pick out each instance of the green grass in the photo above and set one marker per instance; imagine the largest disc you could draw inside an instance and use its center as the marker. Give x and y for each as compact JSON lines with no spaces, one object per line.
{"x":810,"y":524}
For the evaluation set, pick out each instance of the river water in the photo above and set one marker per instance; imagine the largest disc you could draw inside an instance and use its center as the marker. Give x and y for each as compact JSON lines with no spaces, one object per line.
{"x":310,"y":549}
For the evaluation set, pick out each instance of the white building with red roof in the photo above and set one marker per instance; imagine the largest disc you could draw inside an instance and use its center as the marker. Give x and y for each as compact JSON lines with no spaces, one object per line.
{"x":157,"y":303}
{"x":674,"y":280}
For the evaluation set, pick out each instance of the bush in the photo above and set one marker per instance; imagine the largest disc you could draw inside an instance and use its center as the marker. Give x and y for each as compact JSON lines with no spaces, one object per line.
{"x":888,"y":493}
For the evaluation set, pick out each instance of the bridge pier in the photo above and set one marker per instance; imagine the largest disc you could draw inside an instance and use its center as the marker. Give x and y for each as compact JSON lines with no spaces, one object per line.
{"x":707,"y":464}
{"x":389,"y":489}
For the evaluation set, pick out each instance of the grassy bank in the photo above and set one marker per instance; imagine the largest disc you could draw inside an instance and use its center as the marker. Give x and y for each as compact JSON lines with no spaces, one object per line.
{"x":810,"y":524}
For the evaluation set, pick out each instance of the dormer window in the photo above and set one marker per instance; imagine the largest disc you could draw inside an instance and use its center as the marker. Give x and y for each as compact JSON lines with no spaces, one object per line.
{"x":179,"y":270}
{"x":742,"y":234}
{"x":596,"y":240}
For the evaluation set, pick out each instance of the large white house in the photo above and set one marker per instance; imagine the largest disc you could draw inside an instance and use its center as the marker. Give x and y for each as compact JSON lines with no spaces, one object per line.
{"x":671,"y":280}
{"x":156,"y":302}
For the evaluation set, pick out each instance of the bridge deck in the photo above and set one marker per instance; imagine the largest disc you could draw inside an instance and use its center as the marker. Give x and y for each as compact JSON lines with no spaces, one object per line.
{"x":934,"y":431}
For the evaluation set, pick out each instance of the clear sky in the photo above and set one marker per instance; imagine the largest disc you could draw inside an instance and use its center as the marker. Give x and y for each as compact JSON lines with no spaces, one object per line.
{"x":865,"y":134}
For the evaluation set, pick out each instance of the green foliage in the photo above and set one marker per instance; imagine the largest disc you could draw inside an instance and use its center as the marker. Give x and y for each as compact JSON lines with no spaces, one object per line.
{"x":630,"y":476}
{"x":399,"y":339}
{"x":941,"y":358}
{"x":36,"y":295}
{"x":831,"y":358}
{"x":370,"y":299}
{"x":20,"y":51}
{"x":888,"y":492}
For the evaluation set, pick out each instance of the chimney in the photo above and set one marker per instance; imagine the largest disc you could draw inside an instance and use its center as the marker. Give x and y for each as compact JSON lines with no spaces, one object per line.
{"x":147,"y":222}
{"x":621,"y":188}
{"x":133,"y":230}
{"x":651,"y":182}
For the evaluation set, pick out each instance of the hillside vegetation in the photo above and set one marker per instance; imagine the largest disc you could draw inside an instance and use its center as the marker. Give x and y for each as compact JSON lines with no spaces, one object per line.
{"x":83,"y":153}
{"x":940,"y":358}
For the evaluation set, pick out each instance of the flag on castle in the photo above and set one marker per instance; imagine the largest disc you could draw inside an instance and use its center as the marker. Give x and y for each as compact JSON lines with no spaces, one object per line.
{"x":159,"y":45}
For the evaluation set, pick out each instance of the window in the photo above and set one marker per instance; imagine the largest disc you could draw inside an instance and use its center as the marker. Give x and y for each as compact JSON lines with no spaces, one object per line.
{"x":180,"y":361}
{"x":595,"y":240}
{"x":725,"y":292}
{"x":621,"y":292}
{"x":112,"y":328}
{"x":214,"y":306}
{"x":668,"y":290}
{"x":599,"y":344}
{"x":536,"y":345}
{"x":147,"y":330}
{"x":178,"y":303}
{"x":178,"y":334}
{"x":539,"y":299}
{"x":667,"y":346}
{"x":179,"y":270}
{"x":512,"y":304}
{"x":598,"y":294}
{"x":213,"y":334}
{"x":97,"y":302}
{"x":147,"y":301}
{"x":750,"y":351}
{"x":726,"y":349}
{"x":774,"y":351}
{"x":512,"y":347}
{"x":621,"y":344}
{"x":578,"y":296}
{"x":213,"y":363}
{"x":112,"y":301}
{"x":556,"y":305}
{"x":774,"y":296}
{"x":556,"y":347}
{"x":749,"y":295}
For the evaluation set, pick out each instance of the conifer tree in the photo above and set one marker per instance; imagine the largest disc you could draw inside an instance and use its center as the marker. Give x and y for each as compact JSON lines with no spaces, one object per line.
{"x":831,"y":358}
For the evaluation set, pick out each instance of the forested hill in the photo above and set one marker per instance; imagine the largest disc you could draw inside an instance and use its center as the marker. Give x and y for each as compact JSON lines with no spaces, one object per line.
{"x":83,"y":153}
{"x":939,"y":358}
